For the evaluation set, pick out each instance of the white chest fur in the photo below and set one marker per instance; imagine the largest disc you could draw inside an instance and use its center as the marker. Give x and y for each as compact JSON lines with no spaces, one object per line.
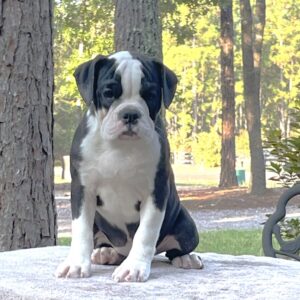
{"x":121,"y":173}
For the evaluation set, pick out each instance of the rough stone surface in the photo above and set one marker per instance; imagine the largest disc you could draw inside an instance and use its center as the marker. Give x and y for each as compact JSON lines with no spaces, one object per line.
{"x":28,"y":274}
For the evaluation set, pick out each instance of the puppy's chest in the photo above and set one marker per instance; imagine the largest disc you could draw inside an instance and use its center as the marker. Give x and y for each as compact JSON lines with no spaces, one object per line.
{"x":121,"y":179}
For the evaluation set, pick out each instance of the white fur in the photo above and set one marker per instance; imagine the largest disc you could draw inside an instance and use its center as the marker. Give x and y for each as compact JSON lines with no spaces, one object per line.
{"x":121,"y":173}
{"x":136,"y":267}
{"x":78,"y":263}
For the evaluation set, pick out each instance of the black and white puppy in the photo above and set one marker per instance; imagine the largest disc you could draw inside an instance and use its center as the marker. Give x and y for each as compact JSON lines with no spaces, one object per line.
{"x":124,"y":201}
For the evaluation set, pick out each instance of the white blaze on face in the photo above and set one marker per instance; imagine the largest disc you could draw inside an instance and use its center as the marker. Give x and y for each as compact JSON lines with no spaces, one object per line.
{"x":131,"y":73}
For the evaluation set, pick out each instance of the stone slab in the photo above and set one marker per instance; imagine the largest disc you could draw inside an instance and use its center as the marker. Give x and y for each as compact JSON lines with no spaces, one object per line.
{"x":28,"y":274}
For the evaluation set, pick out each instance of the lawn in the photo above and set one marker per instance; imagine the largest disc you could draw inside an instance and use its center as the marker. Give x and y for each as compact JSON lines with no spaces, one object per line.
{"x":235,"y":242}
{"x":231,"y":241}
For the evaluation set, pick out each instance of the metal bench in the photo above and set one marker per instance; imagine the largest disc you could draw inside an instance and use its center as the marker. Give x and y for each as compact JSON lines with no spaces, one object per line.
{"x":288,"y":248}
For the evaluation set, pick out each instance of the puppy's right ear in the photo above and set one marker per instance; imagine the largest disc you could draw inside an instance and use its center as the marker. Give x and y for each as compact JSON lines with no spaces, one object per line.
{"x":86,"y":78}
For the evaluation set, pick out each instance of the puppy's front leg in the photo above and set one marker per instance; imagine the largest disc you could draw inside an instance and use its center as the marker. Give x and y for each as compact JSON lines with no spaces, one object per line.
{"x":136,"y":267}
{"x":78,"y":262}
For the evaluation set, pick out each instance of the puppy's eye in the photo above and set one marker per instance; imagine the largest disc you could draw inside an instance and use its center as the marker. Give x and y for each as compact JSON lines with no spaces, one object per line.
{"x":108,"y":93}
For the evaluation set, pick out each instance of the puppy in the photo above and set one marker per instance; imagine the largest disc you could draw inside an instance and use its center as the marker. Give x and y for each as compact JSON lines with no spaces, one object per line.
{"x":123,"y":197}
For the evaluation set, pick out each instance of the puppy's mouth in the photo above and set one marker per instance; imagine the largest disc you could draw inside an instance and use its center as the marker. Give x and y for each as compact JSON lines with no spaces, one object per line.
{"x":129,"y":134}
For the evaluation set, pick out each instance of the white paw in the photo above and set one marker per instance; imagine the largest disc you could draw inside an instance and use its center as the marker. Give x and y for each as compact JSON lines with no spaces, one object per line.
{"x":132,"y":270}
{"x":74,"y":270}
{"x":106,"y":256}
{"x":188,"y":261}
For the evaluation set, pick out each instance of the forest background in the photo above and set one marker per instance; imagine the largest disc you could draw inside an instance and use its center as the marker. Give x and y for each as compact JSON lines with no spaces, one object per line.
{"x":191,"y":48}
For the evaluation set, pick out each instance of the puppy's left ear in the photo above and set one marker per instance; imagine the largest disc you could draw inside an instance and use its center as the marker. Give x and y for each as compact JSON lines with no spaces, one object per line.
{"x":169,"y":83}
{"x":86,"y":78}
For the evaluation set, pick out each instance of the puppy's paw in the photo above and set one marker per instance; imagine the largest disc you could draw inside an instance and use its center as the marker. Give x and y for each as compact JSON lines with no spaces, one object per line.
{"x":73,"y":270}
{"x":188,"y":261}
{"x":132,"y":270}
{"x":106,"y":256}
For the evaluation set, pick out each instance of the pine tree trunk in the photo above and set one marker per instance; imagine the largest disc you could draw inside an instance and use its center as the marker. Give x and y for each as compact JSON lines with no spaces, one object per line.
{"x":27,"y":208}
{"x":259,"y":27}
{"x":138,"y":27}
{"x":228,"y":176}
{"x":252,"y":104}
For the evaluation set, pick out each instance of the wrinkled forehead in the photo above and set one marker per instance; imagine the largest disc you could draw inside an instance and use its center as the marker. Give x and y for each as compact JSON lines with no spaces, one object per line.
{"x":130,"y":70}
{"x":134,"y":71}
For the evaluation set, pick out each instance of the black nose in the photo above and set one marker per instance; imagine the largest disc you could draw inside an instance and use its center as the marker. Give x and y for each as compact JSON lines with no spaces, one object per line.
{"x":130,"y":117}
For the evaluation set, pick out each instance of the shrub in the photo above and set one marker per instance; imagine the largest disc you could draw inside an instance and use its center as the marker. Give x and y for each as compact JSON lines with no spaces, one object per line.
{"x":286,"y":153}
{"x":286,"y":166}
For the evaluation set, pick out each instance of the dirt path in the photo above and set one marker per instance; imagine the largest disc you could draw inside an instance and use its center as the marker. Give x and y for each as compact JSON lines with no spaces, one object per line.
{"x":230,"y":199}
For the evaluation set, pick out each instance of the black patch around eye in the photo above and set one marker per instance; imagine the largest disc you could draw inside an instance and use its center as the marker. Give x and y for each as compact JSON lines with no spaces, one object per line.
{"x":108,"y":92}
{"x":108,"y":89}
{"x":150,"y":92}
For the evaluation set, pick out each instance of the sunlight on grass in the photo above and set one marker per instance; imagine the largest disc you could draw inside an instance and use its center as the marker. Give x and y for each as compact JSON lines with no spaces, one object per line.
{"x":235,"y":242}
{"x":195,"y":175}
{"x":64,"y":241}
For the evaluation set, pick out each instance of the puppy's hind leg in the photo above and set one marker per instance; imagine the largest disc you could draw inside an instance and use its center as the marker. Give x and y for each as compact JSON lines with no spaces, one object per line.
{"x":106,"y":255}
{"x":186,"y":235}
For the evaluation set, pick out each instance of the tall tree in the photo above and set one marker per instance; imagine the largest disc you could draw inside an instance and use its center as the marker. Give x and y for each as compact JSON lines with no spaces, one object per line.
{"x":228,"y":176}
{"x":251,"y":95}
{"x":138,"y":27}
{"x":27,"y":207}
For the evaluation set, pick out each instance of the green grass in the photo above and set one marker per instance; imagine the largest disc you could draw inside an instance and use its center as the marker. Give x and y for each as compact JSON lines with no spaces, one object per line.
{"x":235,"y":242}
{"x":64,"y":241}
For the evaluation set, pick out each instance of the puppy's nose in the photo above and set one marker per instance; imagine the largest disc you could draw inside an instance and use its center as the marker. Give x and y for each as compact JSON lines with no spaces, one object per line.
{"x":130,"y":116}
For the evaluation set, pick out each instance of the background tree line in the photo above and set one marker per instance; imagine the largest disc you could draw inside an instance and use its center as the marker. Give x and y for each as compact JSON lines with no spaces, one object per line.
{"x":191,"y":47}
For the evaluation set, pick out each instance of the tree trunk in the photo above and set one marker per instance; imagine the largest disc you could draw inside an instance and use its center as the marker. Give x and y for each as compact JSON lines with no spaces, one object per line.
{"x":27,"y":207}
{"x":138,"y":27}
{"x":252,"y":105}
{"x":259,"y":27}
{"x":228,"y":176}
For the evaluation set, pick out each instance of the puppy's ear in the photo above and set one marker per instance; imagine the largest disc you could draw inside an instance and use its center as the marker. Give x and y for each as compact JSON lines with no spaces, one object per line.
{"x":169,"y":83}
{"x":86,"y":78}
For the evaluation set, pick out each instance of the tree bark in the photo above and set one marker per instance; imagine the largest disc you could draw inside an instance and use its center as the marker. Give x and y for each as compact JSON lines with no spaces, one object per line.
{"x":228,"y":175}
{"x":252,"y":104}
{"x":138,"y":27}
{"x":259,"y":27}
{"x":27,"y":207}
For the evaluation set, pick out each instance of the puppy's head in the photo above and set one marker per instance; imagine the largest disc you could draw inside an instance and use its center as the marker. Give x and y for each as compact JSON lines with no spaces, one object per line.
{"x":125,"y":93}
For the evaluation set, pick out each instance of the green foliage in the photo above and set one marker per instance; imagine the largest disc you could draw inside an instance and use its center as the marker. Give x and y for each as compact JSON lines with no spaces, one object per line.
{"x":64,"y":241}
{"x":286,"y":153}
{"x":281,"y":62}
{"x":290,"y":228}
{"x":206,"y":149}
{"x":82,"y":29}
